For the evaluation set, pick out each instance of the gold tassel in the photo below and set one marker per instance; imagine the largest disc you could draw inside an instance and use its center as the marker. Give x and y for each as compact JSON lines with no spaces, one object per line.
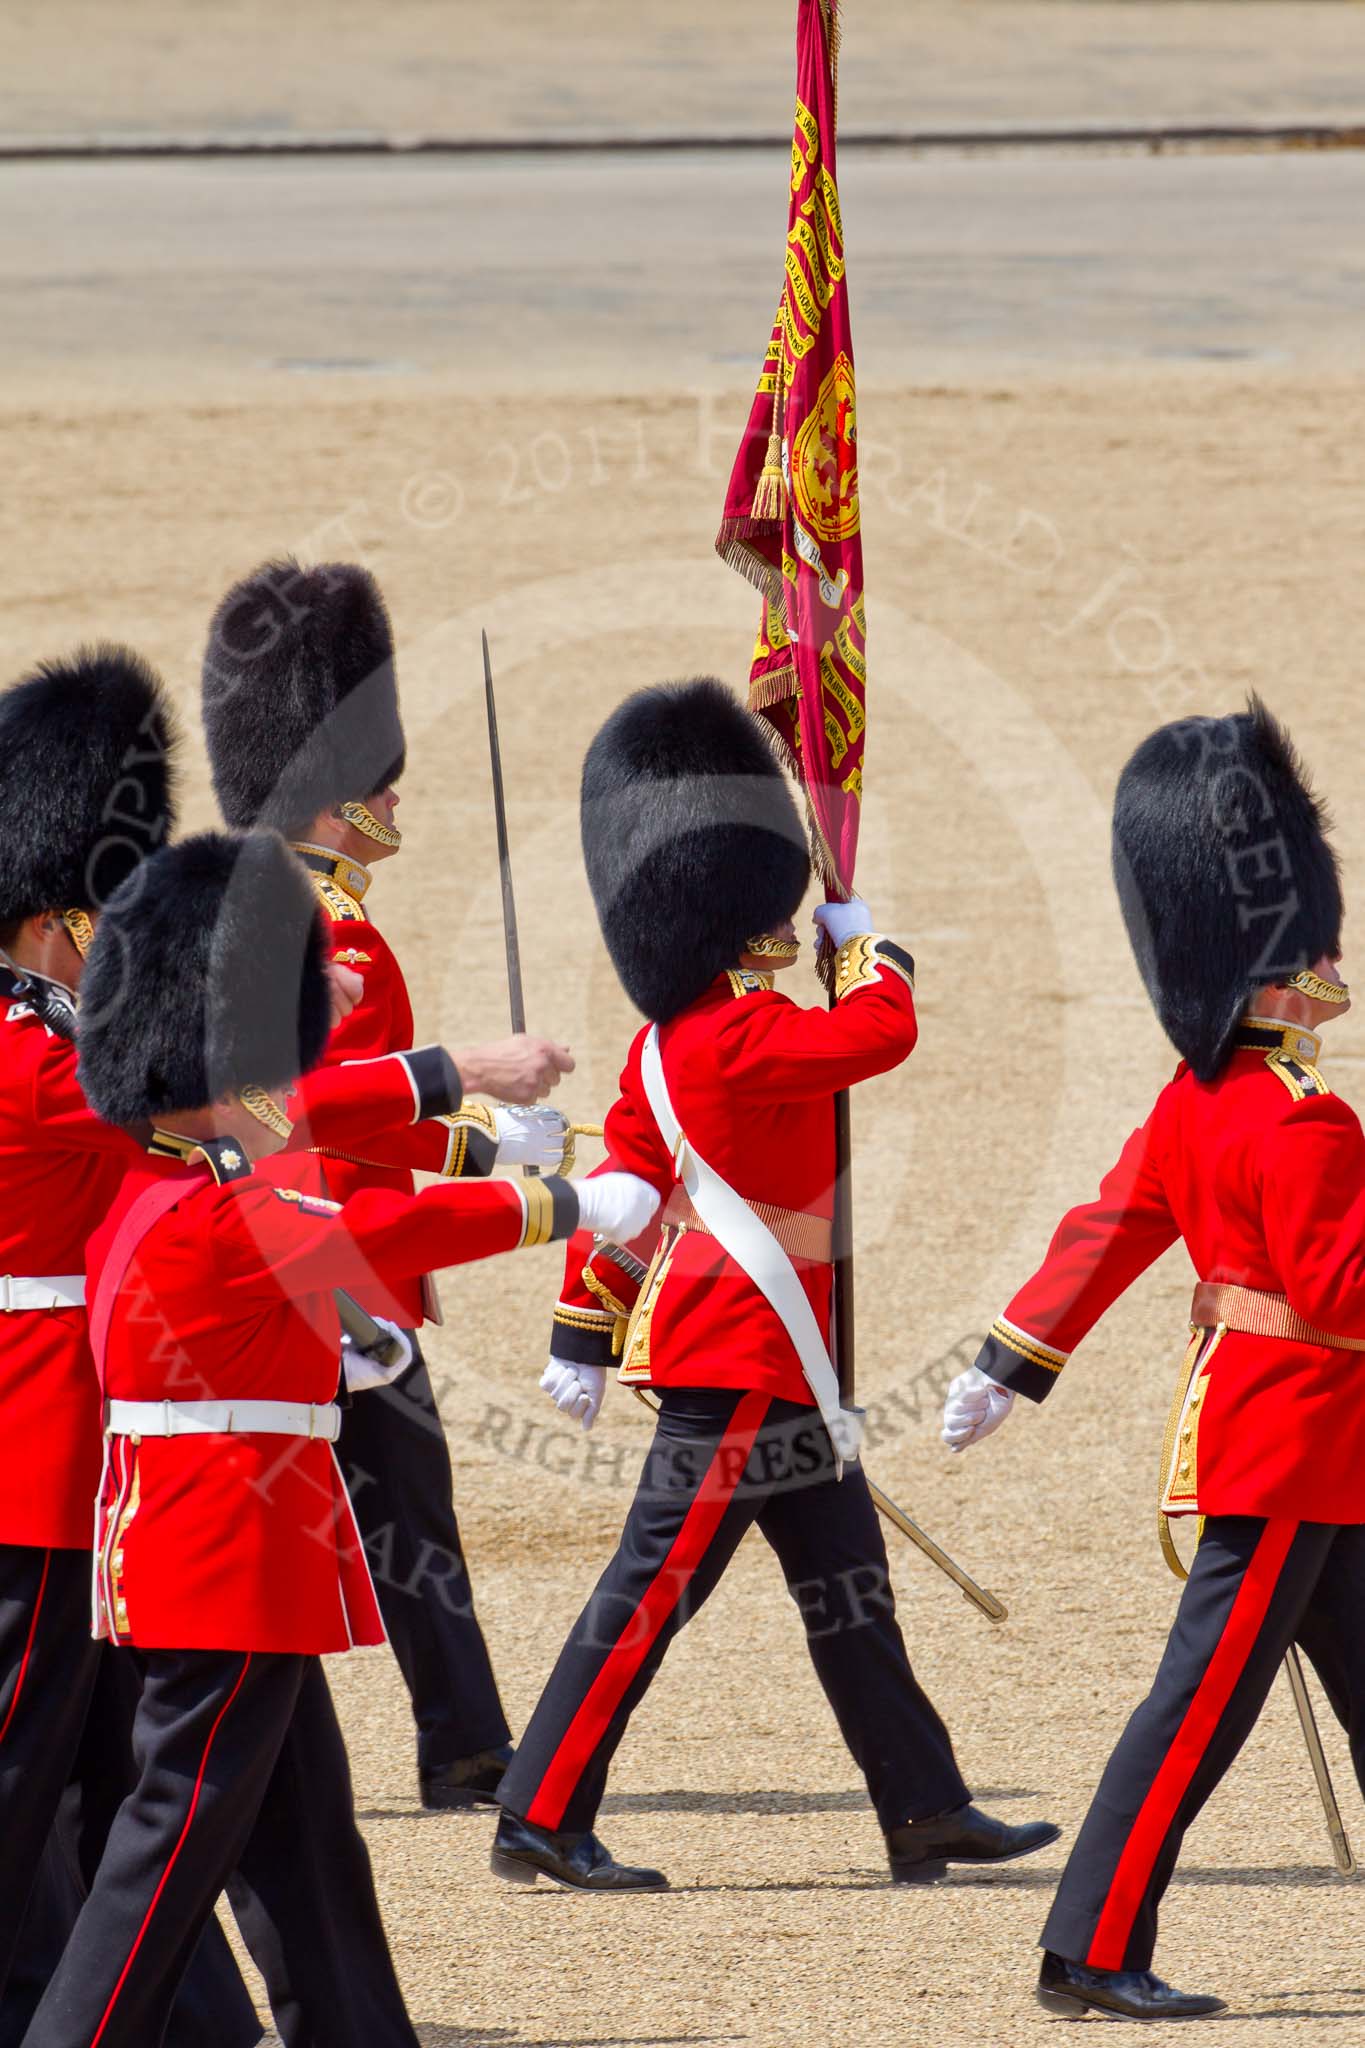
{"x":769,"y":492}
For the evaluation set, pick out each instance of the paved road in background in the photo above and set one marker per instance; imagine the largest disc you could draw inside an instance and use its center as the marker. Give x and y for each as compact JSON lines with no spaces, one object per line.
{"x":639,"y":273}
{"x":648,"y":67}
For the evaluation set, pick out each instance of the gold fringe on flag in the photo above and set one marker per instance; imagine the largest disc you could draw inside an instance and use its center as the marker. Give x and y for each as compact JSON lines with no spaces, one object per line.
{"x":751,"y":566}
{"x":773,"y":688}
{"x":834,"y":36}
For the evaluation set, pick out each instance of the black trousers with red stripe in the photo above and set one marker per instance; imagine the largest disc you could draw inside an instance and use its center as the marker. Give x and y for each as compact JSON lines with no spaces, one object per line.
{"x":720,"y":1464}
{"x":242,"y":1776}
{"x":1255,"y":1587}
{"x":213,"y":2008}
{"x":48,"y":1667}
{"x":396,"y":1461}
{"x":66,"y":1717}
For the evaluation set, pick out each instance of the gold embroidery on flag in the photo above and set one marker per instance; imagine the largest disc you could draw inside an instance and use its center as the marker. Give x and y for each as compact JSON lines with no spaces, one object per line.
{"x":836,"y":687}
{"x":825,"y":458}
{"x":808,"y":132}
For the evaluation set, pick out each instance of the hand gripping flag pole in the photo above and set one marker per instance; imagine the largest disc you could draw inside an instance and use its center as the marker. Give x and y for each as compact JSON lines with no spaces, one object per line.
{"x":792,"y":526}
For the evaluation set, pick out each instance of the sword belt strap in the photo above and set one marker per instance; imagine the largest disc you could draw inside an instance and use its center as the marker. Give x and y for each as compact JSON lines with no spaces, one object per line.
{"x":1259,"y":1314}
{"x":807,"y":1238}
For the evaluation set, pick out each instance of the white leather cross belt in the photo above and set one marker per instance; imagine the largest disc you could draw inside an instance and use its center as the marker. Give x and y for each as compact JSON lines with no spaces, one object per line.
{"x":224,"y":1418}
{"x":53,"y":1290}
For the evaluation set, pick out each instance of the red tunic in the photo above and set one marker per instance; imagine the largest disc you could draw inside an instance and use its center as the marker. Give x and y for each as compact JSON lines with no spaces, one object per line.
{"x":1262,"y":1172}
{"x":60,"y":1169}
{"x":752,"y":1077}
{"x":246,"y":1542}
{"x":380,"y":1023}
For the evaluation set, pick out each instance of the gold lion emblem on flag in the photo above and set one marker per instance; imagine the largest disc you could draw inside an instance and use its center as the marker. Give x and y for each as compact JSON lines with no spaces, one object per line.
{"x":825,"y":458}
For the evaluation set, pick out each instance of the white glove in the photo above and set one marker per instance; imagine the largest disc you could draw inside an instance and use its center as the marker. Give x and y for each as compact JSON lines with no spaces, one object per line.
{"x":975,"y":1406}
{"x":616,"y":1205}
{"x":363,"y":1371}
{"x":576,"y":1390}
{"x":532,"y":1137}
{"x":840,"y":921}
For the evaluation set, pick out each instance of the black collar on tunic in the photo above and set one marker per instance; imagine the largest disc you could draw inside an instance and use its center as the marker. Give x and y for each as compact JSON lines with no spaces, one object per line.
{"x":223,"y":1157}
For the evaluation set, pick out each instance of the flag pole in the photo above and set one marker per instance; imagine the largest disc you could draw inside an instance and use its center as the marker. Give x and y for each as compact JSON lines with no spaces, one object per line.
{"x":842,"y":1318}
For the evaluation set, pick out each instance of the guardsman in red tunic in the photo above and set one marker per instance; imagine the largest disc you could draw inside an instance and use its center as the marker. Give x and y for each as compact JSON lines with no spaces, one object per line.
{"x":1232,"y":902}
{"x":85,"y":748}
{"x":227,"y":1555}
{"x":698,"y":862}
{"x":302,"y":720}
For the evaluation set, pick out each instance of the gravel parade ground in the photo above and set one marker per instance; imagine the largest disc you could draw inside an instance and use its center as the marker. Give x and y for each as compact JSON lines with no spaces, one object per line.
{"x":1110,"y":419}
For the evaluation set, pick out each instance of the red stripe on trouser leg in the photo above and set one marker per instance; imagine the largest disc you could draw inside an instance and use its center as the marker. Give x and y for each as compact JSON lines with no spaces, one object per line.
{"x":641,"y":1632}
{"x":28,"y":1646}
{"x":1155,"y":1816}
{"x":180,"y":1843}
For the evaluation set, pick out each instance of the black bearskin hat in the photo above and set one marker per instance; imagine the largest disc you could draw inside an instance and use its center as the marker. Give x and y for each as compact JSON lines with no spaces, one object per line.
{"x":299,"y":695}
{"x":1224,"y":872}
{"x":208,"y":973}
{"x":85,"y":780}
{"x":692,"y":840}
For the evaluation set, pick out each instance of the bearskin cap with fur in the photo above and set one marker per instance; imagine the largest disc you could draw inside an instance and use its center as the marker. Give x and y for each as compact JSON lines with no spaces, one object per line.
{"x":300,"y":698}
{"x":692,"y":840}
{"x":86,"y":784}
{"x":1224,"y":872}
{"x":208,"y":973}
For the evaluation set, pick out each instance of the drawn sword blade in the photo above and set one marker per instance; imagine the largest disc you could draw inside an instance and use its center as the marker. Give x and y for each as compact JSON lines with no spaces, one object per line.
{"x":515,"y":993}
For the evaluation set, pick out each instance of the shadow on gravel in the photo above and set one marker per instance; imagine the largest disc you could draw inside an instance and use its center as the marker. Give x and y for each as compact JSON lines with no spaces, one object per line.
{"x":1306,"y":1875}
{"x":699,"y":1802}
{"x":1287,"y":2012}
{"x":1039,"y":1877}
{"x":766,"y":1802}
{"x":471,"y":2037}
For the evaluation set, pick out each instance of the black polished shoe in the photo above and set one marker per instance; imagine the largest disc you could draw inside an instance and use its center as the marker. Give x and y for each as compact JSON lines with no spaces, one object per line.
{"x":921,"y":1851}
{"x":1072,"y":1990}
{"x":469,"y":1781}
{"x":522,"y":1853}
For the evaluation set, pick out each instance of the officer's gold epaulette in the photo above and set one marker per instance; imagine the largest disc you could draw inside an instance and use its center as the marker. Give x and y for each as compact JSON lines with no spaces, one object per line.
{"x":339,"y":907}
{"x":1300,"y":1077}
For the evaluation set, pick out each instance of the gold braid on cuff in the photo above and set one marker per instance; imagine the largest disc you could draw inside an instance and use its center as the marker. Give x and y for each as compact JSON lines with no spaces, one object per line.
{"x":540,"y":1213}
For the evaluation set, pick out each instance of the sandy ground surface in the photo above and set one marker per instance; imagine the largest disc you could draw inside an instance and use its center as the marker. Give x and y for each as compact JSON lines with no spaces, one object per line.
{"x":644,"y":67}
{"x":1054,"y":567}
{"x":1059,"y":556}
